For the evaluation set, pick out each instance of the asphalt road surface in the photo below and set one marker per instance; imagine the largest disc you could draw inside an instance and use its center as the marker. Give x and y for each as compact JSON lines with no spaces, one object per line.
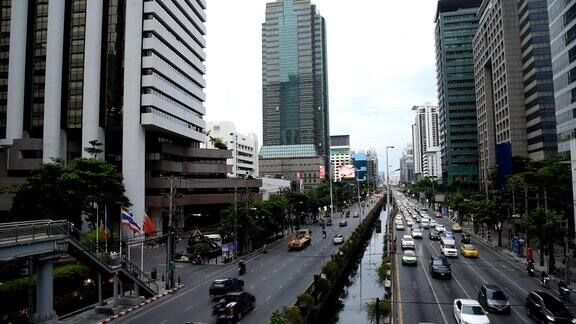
{"x":275,"y":278}
{"x":420,"y":298}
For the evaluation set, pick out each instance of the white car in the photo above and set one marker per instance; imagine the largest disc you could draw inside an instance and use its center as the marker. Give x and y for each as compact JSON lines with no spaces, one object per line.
{"x":440,"y":228}
{"x":338,"y":239}
{"x":469,"y":311}
{"x":407,"y":242}
{"x":399,"y":227}
{"x":410,"y":223}
{"x":398,"y":217}
{"x":449,"y":250}
{"x":425,"y":225}
{"x":416,"y":233}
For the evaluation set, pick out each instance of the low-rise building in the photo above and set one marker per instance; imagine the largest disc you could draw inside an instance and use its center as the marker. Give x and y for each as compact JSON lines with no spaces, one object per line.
{"x":272,"y":186}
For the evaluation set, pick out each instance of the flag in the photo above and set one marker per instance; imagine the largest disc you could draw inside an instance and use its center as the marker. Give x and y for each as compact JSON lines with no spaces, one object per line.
{"x":148,"y":226}
{"x":104,"y":231}
{"x":129,"y":221}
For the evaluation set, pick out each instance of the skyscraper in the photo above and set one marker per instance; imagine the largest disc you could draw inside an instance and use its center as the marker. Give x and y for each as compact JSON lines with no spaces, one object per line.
{"x":425,"y":136}
{"x":294,"y":76}
{"x":456,"y":23}
{"x":514,"y":91}
{"x":563,"y":39}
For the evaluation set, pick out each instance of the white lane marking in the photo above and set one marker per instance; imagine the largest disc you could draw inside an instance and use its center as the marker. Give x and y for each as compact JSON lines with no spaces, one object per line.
{"x":290,"y":278}
{"x":503,"y":275}
{"x":283,"y":265}
{"x":251,"y":270}
{"x":189,"y":307}
{"x":454,"y":277}
{"x":261,"y":265}
{"x":164,"y":321}
{"x":274,"y":271}
{"x":268,"y":298}
{"x":431,"y":288}
{"x":281,"y":286}
{"x":264,"y":278}
{"x":252,"y":287}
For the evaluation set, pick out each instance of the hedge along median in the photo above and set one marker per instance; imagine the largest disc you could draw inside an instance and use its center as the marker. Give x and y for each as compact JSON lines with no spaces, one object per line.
{"x":324,"y":291}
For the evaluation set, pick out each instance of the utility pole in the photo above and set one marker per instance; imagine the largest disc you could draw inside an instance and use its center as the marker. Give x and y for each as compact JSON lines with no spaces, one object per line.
{"x":169,"y":244}
{"x":235,"y":221}
{"x":387,"y":180}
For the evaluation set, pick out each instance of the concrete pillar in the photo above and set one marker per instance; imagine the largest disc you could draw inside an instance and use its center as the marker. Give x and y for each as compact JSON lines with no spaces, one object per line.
{"x":16,"y":71}
{"x":45,"y":293}
{"x":115,"y":289}
{"x":53,"y":87}
{"x":133,"y":136}
{"x":92,"y":64}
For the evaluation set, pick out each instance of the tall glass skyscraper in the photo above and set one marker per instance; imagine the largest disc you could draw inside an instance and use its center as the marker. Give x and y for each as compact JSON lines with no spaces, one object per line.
{"x":294,"y":76}
{"x":456,"y":23}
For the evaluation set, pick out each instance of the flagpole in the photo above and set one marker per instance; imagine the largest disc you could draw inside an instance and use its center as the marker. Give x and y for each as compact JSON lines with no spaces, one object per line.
{"x":97,"y":227}
{"x":106,"y":228}
{"x":120,"y":234}
{"x":142,"y":257}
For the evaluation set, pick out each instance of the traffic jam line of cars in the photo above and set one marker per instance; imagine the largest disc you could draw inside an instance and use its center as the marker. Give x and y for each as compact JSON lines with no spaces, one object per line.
{"x":540,"y":305}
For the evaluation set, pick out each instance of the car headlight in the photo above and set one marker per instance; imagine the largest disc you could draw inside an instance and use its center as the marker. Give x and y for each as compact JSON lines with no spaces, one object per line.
{"x":550,"y":318}
{"x":574,"y":320}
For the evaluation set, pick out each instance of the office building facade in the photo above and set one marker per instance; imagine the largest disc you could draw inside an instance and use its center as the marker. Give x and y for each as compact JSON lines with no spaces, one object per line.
{"x":426,"y":139}
{"x":129,"y":74}
{"x":513,"y":83}
{"x":294,"y":76}
{"x":407,"y":164}
{"x":456,"y":24}
{"x":562,"y":23}
{"x":340,"y":154}
{"x":244,"y":148}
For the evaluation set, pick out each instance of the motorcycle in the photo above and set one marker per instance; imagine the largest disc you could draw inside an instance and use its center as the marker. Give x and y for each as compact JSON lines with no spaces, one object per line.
{"x":545,"y":282}
{"x":265,"y":249}
{"x":241,"y":268}
{"x":531,"y":270}
{"x":564,"y":294}
{"x":324,"y":234}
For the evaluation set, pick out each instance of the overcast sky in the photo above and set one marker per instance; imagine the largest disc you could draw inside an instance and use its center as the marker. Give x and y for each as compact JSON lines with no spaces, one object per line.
{"x":381,"y":62}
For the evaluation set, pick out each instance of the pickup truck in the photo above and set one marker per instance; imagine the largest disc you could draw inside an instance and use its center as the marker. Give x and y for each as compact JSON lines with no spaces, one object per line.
{"x":233,"y":306}
{"x":301,"y":240}
{"x":221,"y":287}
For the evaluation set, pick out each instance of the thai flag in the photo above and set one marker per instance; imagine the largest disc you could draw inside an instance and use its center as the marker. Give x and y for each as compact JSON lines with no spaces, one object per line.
{"x":129,"y":221}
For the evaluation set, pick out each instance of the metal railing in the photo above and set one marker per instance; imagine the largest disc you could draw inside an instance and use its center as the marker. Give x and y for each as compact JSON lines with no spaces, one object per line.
{"x":31,"y":230}
{"x":135,"y":271}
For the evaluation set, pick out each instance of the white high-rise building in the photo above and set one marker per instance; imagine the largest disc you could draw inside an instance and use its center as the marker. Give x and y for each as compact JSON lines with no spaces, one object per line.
{"x":340,"y":154}
{"x":425,"y":138}
{"x":244,"y":148}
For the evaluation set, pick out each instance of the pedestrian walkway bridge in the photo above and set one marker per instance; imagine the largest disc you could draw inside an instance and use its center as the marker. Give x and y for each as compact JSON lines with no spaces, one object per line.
{"x":44,"y":241}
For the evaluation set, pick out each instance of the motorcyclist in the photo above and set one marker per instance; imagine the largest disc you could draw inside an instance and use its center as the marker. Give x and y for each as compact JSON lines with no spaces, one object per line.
{"x":563,"y":289}
{"x":324,"y":233}
{"x":544,"y":278}
{"x":241,"y":267}
{"x":530,"y":268}
{"x":265,"y":248}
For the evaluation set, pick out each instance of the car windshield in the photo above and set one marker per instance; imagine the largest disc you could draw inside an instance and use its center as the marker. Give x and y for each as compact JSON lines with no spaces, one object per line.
{"x":498,"y":295}
{"x":407,"y":237}
{"x":472,"y":310}
{"x":440,"y":262}
{"x":409,"y":253}
{"x":469,"y":247}
{"x":449,"y":246}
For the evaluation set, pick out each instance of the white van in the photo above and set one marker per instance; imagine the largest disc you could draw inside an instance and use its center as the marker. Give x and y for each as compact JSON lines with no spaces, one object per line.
{"x":216,"y":238}
{"x":448,"y":247}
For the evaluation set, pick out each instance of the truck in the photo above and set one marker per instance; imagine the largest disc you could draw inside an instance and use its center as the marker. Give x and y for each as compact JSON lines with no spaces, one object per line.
{"x":301,"y":240}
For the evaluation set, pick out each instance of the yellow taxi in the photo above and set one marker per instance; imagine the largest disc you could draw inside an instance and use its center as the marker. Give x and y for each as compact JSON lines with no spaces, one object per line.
{"x":456,"y":228}
{"x":469,"y":251}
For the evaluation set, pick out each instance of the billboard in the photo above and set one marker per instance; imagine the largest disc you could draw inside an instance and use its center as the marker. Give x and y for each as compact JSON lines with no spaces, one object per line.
{"x":322,"y":172}
{"x":347,"y":171}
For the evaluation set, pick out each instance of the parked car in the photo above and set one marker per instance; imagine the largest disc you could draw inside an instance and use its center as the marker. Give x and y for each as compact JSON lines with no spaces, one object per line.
{"x":409,"y":257}
{"x":407,"y":242}
{"x":233,"y":306}
{"x":544,"y":307}
{"x":493,"y":299}
{"x":399,"y":227}
{"x":338,"y":239}
{"x":343,"y":223}
{"x":439,"y":267}
{"x":221,"y":287}
{"x":469,"y":311}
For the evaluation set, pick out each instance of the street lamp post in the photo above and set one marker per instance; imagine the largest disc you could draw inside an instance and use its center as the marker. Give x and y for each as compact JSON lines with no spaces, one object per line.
{"x":388,"y":179}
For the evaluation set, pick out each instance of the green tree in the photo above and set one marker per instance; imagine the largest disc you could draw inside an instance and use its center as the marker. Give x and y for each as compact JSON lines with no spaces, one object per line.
{"x":67,"y":191}
{"x":547,"y":227}
{"x":383,"y":308}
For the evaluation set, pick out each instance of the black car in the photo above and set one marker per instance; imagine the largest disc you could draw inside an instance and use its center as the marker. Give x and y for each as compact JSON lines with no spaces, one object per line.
{"x":221,"y":287}
{"x":439,"y":267}
{"x":343,"y":223}
{"x":465,"y":239}
{"x":493,"y":299}
{"x":328,"y":221}
{"x":434,"y":234}
{"x":546,"y":308}
{"x":234,"y":305}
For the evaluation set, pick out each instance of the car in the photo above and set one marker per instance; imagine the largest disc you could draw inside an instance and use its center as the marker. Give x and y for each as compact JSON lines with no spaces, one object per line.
{"x":221,"y":287}
{"x":416,"y":233}
{"x":409,"y":257}
{"x":233,"y":306}
{"x":410,"y":223}
{"x":425,"y":224}
{"x":328,"y":221}
{"x":448,"y":234}
{"x":399,"y":227}
{"x":457,"y":228}
{"x":338,"y":239}
{"x":356,"y":215}
{"x":407,"y":242}
{"x":469,"y":251}
{"x":493,"y":299}
{"x":398,"y":217}
{"x":434,"y":234}
{"x":439,"y":267}
{"x":438,"y":215}
{"x":440,"y":228}
{"x":343,"y":223}
{"x":433,"y":223}
{"x":416,"y":226}
{"x":544,"y":307}
{"x":469,"y":311}
{"x":448,"y":247}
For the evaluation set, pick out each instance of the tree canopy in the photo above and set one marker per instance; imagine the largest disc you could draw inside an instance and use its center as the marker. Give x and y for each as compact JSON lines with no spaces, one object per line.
{"x":67,"y":191}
